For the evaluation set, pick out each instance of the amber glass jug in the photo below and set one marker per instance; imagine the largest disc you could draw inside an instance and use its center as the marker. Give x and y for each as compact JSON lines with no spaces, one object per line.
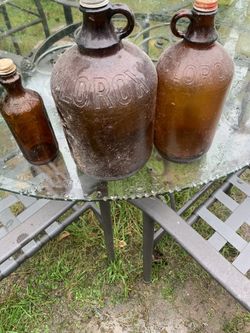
{"x":25,"y":115}
{"x":194,"y":77}
{"x":105,"y":92}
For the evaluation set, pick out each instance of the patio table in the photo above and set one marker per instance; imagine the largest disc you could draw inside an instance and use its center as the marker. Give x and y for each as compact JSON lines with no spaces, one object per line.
{"x":58,"y":185}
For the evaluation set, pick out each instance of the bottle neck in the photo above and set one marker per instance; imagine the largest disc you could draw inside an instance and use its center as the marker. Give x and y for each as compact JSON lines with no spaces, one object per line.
{"x":97,"y":31}
{"x":12,"y":83}
{"x":202,"y":29}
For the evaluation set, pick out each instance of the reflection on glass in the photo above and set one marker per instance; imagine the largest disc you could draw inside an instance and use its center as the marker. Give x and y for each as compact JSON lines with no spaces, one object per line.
{"x":90,"y":185}
{"x":244,"y":116}
{"x":55,"y":175}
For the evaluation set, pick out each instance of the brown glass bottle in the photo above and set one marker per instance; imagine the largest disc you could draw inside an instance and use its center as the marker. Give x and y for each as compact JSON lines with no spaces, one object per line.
{"x":194,"y":77}
{"x":25,"y":114}
{"x":105,"y":93}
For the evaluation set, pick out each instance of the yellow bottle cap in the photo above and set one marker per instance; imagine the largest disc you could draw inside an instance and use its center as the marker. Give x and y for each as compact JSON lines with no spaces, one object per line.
{"x":93,"y":3}
{"x":205,"y":5}
{"x":7,"y":66}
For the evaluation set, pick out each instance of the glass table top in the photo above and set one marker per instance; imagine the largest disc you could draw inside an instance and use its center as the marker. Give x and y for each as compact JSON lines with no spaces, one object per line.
{"x":230,"y":150}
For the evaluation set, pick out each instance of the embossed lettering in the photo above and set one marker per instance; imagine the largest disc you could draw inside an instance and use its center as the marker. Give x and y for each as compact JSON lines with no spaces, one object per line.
{"x":98,"y":94}
{"x":189,"y":75}
{"x":204,"y":71}
{"x":102,"y":90}
{"x":140,"y":85}
{"x":219,"y":68}
{"x":122,"y":91}
{"x":177,"y":74}
{"x":198,"y":74}
{"x":64,"y":96}
{"x":81,"y":92}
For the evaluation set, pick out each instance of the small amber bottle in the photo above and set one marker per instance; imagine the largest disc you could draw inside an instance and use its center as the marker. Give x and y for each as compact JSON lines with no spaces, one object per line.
{"x":194,"y":77}
{"x":25,"y":114}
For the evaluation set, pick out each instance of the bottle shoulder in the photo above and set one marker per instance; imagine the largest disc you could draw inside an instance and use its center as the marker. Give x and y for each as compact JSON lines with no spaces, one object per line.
{"x":21,"y":103}
{"x":75,"y":61}
{"x":189,"y":67}
{"x":184,"y":48}
{"x":184,"y":54}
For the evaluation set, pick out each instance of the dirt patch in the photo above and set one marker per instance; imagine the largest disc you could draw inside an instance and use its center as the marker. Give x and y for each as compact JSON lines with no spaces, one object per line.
{"x":194,"y":309}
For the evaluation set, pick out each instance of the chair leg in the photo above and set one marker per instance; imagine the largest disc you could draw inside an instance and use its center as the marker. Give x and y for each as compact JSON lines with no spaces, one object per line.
{"x":43,"y":17}
{"x":9,"y":27}
{"x":68,"y":15}
{"x":172,"y":201}
{"x":108,"y":229}
{"x":148,"y":247}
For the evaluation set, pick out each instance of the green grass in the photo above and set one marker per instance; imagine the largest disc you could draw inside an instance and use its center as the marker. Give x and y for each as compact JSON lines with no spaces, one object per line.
{"x":74,"y":269}
{"x":75,"y":272}
{"x":237,"y":324}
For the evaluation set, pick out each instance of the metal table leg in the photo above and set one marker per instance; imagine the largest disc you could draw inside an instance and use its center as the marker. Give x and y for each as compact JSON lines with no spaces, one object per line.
{"x":107,"y":228}
{"x":148,"y":246}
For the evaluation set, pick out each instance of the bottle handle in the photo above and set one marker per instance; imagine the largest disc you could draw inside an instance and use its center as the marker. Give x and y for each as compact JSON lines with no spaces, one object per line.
{"x":124,"y":10}
{"x":185,"y":13}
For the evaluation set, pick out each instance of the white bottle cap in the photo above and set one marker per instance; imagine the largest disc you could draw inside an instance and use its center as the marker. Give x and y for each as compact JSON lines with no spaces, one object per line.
{"x":93,"y":3}
{"x":7,"y":66}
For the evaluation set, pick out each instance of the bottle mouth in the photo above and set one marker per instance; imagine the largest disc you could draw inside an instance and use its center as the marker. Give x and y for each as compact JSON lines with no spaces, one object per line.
{"x":7,"y":67}
{"x":205,"y":5}
{"x":93,"y":4}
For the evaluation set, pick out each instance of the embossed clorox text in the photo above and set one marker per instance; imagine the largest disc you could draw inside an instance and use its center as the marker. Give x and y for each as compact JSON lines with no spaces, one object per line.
{"x":102,"y":92}
{"x":195,"y":75}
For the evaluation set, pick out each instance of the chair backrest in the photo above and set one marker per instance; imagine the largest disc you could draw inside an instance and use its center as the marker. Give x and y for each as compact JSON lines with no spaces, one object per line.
{"x":10,"y":31}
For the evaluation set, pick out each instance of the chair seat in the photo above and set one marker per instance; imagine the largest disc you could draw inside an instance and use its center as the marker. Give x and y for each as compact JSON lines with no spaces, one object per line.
{"x":221,"y":237}
{"x":23,"y":233}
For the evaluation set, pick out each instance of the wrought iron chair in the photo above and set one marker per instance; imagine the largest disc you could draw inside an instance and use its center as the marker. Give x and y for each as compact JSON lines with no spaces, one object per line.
{"x":10,"y":32}
{"x":23,"y":233}
{"x":66,"y":9}
{"x":220,"y":246}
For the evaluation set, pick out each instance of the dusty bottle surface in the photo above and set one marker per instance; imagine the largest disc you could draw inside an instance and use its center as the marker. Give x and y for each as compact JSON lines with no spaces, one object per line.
{"x":194,"y":78}
{"x":105,"y":93}
{"x":25,"y":114}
